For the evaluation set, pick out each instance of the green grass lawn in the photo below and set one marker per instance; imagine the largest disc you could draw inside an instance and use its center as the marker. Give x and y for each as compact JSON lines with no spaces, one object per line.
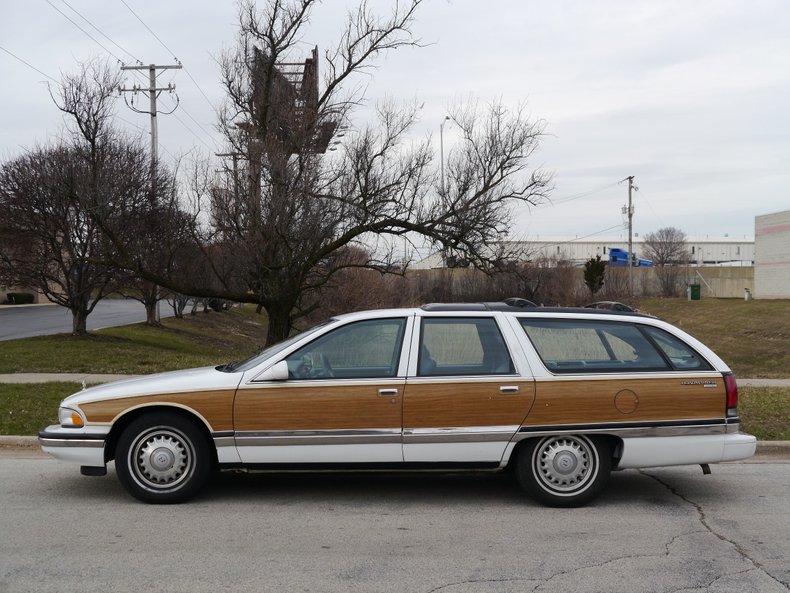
{"x":27,"y":408}
{"x":199,"y":340}
{"x":765,"y":412}
{"x":752,"y":337}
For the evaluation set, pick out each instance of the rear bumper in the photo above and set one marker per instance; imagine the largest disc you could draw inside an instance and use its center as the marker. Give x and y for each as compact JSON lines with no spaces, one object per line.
{"x":739,"y":446}
{"x":83,"y":446}
{"x":686,"y":450}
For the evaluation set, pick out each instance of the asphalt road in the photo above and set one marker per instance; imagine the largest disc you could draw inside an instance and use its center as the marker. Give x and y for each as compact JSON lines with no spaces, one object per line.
{"x":26,"y":322}
{"x":664,"y":530}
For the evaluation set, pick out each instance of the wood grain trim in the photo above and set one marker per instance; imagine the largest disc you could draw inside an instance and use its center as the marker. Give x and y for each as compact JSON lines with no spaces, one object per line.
{"x":216,"y":407}
{"x":466,"y":404}
{"x":318,"y":408}
{"x":584,"y":402}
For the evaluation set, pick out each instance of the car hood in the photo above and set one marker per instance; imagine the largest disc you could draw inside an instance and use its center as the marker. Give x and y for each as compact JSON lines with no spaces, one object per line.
{"x":200,"y":379}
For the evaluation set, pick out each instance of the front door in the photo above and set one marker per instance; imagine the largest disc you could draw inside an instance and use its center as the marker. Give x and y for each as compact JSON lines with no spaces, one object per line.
{"x":342,"y":402}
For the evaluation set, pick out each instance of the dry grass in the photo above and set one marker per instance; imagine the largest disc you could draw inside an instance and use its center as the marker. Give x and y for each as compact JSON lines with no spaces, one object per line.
{"x":753,"y":337}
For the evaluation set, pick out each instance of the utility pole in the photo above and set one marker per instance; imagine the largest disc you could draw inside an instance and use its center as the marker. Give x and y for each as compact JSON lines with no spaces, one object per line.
{"x":441,"y":150}
{"x":630,"y":237}
{"x":153,"y":92}
{"x":235,"y":156}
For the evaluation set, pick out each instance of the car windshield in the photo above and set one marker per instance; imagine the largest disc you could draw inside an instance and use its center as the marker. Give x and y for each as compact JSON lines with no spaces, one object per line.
{"x":254,"y":360}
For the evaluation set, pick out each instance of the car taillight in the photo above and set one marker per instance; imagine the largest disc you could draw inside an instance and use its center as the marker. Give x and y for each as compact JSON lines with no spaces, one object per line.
{"x":731,"y":386}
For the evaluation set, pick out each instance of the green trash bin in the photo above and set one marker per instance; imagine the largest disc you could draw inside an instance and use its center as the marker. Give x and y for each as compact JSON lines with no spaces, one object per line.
{"x":694,"y":292}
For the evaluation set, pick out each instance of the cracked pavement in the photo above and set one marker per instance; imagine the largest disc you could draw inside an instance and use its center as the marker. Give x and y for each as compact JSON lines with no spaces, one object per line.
{"x":665,"y":530}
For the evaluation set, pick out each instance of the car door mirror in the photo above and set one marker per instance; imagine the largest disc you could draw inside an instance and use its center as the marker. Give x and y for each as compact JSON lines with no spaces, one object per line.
{"x":278,"y":372}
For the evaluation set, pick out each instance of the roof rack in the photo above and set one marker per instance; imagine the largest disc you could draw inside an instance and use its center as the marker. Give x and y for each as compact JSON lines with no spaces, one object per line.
{"x":514,"y":305}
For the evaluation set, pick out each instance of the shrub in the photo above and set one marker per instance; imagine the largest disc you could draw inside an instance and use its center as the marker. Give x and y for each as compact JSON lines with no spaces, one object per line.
{"x":20,"y":298}
{"x":218,"y":305}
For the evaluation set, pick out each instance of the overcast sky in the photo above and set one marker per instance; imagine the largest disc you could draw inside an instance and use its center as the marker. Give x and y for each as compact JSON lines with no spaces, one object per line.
{"x":690,"y":97}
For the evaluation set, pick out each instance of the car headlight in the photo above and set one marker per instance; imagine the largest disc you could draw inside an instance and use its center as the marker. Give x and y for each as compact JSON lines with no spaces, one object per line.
{"x":69,"y":418}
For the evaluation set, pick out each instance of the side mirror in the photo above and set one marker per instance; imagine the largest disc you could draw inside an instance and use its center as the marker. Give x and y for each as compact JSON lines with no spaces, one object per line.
{"x":279,"y":372}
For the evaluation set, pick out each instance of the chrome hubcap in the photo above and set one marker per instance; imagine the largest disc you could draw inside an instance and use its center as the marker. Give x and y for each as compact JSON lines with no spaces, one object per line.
{"x":161,"y":458}
{"x":564,"y":464}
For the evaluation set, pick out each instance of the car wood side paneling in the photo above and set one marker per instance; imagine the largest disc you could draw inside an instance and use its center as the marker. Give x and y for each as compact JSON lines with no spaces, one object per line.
{"x":595,"y":400}
{"x":469,"y":403}
{"x":318,"y":405}
{"x":215,"y":407}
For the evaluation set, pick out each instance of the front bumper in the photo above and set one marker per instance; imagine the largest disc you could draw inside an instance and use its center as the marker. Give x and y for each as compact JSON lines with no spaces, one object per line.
{"x":84,"y":446}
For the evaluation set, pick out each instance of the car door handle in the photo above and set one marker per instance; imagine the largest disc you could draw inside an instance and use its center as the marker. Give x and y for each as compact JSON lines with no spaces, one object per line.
{"x":388,"y":392}
{"x":508,"y":389}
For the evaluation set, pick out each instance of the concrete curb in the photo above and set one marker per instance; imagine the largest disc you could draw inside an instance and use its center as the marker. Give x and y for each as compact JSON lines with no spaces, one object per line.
{"x":764,"y":448}
{"x":18,"y":442}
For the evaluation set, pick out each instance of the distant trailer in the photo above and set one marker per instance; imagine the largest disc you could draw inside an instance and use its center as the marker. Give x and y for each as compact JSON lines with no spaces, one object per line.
{"x":619,"y":257}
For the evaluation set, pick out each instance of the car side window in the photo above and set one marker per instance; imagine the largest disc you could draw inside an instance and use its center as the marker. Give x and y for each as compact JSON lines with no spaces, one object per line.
{"x":679,"y":354}
{"x":581,"y":346}
{"x":364,"y":349}
{"x":462,"y":346}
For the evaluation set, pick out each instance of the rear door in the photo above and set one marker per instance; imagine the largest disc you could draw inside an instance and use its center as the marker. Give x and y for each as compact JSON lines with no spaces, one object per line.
{"x":464,"y":397}
{"x":620,"y":376}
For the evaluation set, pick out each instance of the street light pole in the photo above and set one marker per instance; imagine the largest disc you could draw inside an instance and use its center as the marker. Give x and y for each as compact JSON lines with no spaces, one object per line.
{"x":441,"y":149}
{"x":630,"y":236}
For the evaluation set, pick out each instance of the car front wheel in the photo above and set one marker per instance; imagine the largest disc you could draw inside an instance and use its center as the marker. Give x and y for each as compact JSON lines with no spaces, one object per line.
{"x":162,"y":458}
{"x":564,"y":470}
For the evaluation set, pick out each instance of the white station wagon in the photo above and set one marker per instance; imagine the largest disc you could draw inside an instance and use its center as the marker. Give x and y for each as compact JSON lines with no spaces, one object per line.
{"x":560,"y":396}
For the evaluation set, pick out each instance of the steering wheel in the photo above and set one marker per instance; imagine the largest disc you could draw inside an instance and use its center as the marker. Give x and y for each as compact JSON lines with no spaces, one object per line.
{"x":327,"y":367}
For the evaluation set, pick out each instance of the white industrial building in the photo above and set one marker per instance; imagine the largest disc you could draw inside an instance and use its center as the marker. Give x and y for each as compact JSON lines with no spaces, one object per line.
{"x":772,"y":256}
{"x":704,"y":251}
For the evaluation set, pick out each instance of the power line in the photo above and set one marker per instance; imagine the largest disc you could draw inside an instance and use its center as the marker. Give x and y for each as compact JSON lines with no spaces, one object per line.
{"x":16,"y":57}
{"x":142,"y":129}
{"x":68,"y":18}
{"x":124,"y":50}
{"x":172,"y":53}
{"x":189,"y":115}
{"x":611,"y":228}
{"x":649,"y":205}
{"x":191,"y":131}
{"x":580,"y":195}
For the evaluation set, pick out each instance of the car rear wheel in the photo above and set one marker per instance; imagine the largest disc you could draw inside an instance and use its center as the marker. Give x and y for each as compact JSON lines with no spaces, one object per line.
{"x":564,"y":470}
{"x":162,"y":458}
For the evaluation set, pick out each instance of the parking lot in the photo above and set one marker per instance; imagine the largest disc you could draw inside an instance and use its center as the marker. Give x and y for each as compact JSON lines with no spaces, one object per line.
{"x":658,"y":530}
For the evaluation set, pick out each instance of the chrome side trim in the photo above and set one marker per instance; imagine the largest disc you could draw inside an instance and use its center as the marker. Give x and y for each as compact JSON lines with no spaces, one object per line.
{"x":86,"y":443}
{"x":318,"y":437}
{"x":224,"y":441}
{"x":466,"y":434}
{"x":619,"y":376}
{"x":654,"y":431}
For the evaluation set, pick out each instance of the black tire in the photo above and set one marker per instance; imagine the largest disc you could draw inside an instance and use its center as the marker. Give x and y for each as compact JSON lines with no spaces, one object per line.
{"x":564,"y":470}
{"x":163,"y":458}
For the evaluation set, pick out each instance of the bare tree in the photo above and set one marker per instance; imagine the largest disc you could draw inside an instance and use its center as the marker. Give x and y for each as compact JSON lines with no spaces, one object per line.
{"x":59,"y":201}
{"x":46,"y":197}
{"x":668,"y":249}
{"x":278,"y":228}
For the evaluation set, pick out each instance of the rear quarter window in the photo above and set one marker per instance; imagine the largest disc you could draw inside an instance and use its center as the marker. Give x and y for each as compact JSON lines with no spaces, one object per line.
{"x":582,"y":346}
{"x":680,"y":355}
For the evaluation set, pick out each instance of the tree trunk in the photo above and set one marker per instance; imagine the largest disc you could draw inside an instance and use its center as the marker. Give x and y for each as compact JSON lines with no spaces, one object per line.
{"x":79,"y":320}
{"x":258,"y":309}
{"x":150,"y":313}
{"x":279,"y":326}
